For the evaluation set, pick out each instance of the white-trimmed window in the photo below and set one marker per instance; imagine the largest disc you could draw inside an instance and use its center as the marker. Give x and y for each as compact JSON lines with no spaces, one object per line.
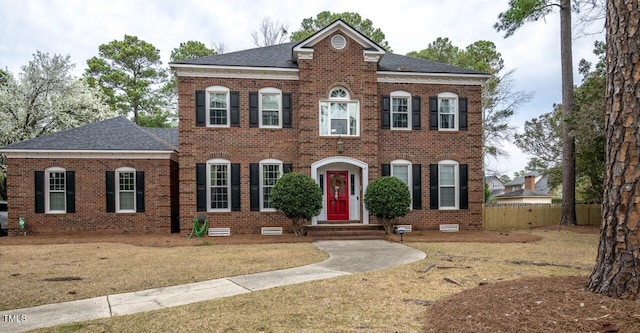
{"x":270,"y":171}
{"x":448,"y":184}
{"x":401,"y":169}
{"x":447,"y":111}
{"x":218,"y":106}
{"x":55,"y":190}
{"x":218,"y":185}
{"x":270,"y":107}
{"x":400,"y":110}
{"x":339,"y":115}
{"x":125,"y":190}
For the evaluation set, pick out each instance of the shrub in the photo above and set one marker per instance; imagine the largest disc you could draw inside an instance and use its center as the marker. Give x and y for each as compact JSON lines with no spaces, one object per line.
{"x":298,"y":197}
{"x":387,"y":198}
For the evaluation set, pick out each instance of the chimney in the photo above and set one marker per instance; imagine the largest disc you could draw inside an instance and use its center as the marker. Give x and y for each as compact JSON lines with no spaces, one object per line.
{"x":530,"y":182}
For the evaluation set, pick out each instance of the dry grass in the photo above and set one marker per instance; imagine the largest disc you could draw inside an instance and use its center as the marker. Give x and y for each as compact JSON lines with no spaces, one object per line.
{"x":92,"y":269}
{"x":390,"y":300}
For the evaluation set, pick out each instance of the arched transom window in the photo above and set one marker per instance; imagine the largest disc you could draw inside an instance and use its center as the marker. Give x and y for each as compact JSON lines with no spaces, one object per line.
{"x":339,"y":115}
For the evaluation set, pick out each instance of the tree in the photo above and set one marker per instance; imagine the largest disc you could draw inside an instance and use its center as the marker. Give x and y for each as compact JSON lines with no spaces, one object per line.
{"x":387,"y":198}
{"x":44,"y":99}
{"x":499,"y":100}
{"x":298,"y":197}
{"x":519,"y":12}
{"x":270,"y":33}
{"x":309,"y":26}
{"x":129,"y":73}
{"x":616,"y":271}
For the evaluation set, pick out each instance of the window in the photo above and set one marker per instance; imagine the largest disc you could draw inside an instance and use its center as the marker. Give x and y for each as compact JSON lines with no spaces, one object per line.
{"x":401,"y":169}
{"x":400,"y":110}
{"x":448,"y":184}
{"x":55,"y":190}
{"x":218,"y":106}
{"x":448,"y":111}
{"x":339,"y":115}
{"x":218,"y":189}
{"x":126,"y":190}
{"x":270,"y":107}
{"x":270,"y":171}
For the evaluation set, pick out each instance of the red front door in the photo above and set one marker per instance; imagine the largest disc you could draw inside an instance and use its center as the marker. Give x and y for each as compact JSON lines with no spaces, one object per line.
{"x":337,"y":195}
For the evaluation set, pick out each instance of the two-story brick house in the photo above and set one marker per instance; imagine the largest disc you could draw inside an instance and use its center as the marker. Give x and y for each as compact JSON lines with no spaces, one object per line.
{"x":339,"y":109}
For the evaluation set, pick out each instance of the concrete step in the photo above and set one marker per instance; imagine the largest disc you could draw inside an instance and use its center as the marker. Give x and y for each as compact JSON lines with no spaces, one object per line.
{"x":345,"y":231}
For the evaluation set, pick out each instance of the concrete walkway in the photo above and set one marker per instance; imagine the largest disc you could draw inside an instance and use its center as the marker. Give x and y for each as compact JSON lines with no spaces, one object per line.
{"x":345,"y":257}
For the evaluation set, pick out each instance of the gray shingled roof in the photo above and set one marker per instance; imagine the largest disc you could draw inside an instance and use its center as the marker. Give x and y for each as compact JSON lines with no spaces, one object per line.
{"x":170,"y":135}
{"x":279,"y":56}
{"x":112,"y":134}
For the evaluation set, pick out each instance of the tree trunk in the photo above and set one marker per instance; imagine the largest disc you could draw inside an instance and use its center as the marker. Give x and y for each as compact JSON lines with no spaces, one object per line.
{"x":616,"y":269}
{"x":568,"y":143}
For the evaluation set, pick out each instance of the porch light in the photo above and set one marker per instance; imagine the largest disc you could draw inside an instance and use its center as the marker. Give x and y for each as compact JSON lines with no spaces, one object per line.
{"x":340,"y":146}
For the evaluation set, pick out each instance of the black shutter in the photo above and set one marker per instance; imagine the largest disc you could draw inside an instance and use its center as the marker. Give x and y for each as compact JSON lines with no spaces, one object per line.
{"x":287,"y":115}
{"x":110,"y":177}
{"x":253,"y":109}
{"x":415,"y":109}
{"x":70,"y":184}
{"x":39,"y":189}
{"x":140,"y":191}
{"x":385,"y":170}
{"x":201,"y":187}
{"x":433,"y":186}
{"x":287,"y":167}
{"x":234,"y":101}
{"x":201,"y":108}
{"x":464,"y":187}
{"x":386,"y":112}
{"x":254,"y":186}
{"x":462,"y":113}
{"x":235,"y":187}
{"x":416,"y":182}
{"x":433,"y":113}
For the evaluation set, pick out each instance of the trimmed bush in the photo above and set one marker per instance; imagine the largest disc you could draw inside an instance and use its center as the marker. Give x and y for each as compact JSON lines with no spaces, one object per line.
{"x":387,"y":198}
{"x":298,"y":197}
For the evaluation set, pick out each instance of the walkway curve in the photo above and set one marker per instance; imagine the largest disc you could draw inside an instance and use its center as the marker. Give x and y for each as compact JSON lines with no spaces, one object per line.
{"x":345,"y":257}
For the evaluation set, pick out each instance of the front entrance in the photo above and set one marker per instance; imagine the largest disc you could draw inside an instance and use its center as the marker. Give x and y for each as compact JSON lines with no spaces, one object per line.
{"x":337,"y":195}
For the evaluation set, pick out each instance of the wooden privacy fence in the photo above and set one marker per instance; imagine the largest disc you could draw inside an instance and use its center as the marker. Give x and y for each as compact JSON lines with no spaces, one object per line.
{"x":523,"y":216}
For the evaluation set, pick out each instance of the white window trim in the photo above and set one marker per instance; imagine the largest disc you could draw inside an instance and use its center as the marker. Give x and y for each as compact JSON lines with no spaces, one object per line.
{"x":117,"y":187}
{"x":217,"y":89}
{"x":269,"y":161}
{"x":347,"y":99}
{"x":401,"y":94}
{"x":409,"y":176}
{"x":270,"y":91}
{"x":456,"y":112}
{"x":218,"y":161}
{"x":47,"y":189}
{"x":456,"y":185}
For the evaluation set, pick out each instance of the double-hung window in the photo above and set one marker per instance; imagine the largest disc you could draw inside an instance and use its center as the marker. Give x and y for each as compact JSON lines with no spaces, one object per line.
{"x":218,"y":180}
{"x":448,"y":111}
{"x":448,"y":184}
{"x":339,"y":116}
{"x":270,"y":171}
{"x":55,"y":190}
{"x":218,"y":106}
{"x":126,"y":190}
{"x":270,"y":107}
{"x":400,"y":110}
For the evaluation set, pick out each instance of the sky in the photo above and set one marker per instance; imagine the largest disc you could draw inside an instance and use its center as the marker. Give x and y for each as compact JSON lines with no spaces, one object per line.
{"x":78,"y":27}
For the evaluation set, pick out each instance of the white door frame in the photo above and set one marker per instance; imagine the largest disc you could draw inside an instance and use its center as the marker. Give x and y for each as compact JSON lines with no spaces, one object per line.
{"x":348,"y":160}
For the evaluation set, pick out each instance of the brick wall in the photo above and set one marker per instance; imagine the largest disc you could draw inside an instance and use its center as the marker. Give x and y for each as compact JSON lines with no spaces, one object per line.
{"x":90,"y":194}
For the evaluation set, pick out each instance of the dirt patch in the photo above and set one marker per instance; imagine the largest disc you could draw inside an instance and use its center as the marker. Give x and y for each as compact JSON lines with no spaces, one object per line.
{"x":545,"y":304}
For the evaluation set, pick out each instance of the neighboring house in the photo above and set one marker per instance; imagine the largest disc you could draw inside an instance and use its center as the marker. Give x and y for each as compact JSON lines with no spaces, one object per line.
{"x":495,"y":185}
{"x":335,"y":107}
{"x":111,"y":177}
{"x":531,"y":188}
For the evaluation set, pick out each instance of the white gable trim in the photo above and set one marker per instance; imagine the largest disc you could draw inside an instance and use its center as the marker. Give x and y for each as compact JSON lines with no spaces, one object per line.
{"x":432,"y":78}
{"x":93,"y":154}
{"x":304,"y":50}
{"x":235,"y":72}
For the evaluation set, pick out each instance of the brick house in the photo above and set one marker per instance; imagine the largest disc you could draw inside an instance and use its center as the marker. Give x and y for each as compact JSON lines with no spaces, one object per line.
{"x":335,"y":106}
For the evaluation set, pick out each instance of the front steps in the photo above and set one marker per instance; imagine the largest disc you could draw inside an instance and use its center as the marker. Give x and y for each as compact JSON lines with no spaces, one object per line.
{"x":344,"y":231}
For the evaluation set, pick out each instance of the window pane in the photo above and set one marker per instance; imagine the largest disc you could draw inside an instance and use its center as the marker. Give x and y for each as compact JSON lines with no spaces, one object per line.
{"x":354,"y":114}
{"x":219,"y":198}
{"x":447,"y":197}
{"x":126,"y":181}
{"x":446,"y":121}
{"x":56,"y":201}
{"x":270,"y":102}
{"x":270,"y":173}
{"x":270,"y":118}
{"x":401,"y":172}
{"x":339,"y":110}
{"x":324,"y":119}
{"x":218,"y":100}
{"x":399,"y":104}
{"x":219,"y":190}
{"x":338,"y":126}
{"x":218,"y":117}
{"x":400,"y":120}
{"x":446,"y":106}
{"x":218,"y":175}
{"x":338,"y":93}
{"x":126,"y":200}
{"x":217,"y":108}
{"x":56,"y":181}
{"x":447,"y":175}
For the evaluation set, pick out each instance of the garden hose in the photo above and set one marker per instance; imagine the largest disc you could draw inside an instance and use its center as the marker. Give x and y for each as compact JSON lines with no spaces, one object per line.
{"x":198,"y":228}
